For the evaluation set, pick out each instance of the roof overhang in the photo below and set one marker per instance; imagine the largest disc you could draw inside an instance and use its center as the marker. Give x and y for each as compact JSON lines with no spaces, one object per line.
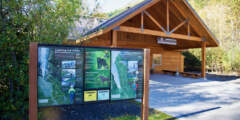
{"x":182,"y":6}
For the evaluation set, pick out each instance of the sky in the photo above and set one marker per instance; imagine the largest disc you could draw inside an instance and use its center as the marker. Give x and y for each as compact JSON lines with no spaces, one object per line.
{"x":109,"y":5}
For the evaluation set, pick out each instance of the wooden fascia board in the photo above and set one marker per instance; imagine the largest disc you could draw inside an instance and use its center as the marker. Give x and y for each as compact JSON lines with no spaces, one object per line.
{"x":132,"y":15}
{"x":201,"y":22}
{"x":90,"y":36}
{"x":119,"y":22}
{"x":176,"y":3}
{"x":158,"y":33}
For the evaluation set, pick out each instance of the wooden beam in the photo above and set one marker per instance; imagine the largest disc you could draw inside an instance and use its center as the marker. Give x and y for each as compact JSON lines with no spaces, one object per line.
{"x":114,"y":38}
{"x":204,"y":59}
{"x":168,"y":16}
{"x":186,"y":15}
{"x":158,"y":33}
{"x":189,"y":30}
{"x":33,"y":106}
{"x":178,"y":26}
{"x":145,"y":99}
{"x":155,"y":21}
{"x":142,"y":21}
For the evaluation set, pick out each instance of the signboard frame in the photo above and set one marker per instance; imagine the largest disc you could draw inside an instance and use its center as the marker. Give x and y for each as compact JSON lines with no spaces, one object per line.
{"x":33,"y":78}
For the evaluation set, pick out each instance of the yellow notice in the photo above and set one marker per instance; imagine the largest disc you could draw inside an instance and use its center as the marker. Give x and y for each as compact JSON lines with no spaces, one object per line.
{"x":90,"y":96}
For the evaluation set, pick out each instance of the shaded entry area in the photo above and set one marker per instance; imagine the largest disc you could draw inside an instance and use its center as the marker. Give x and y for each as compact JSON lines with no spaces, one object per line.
{"x":186,"y":97}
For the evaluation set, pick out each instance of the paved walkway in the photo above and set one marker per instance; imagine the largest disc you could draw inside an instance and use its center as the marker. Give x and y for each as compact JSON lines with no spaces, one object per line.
{"x":195,"y":99}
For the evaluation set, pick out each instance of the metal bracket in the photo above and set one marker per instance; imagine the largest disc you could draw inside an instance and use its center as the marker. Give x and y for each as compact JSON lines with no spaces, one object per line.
{"x":116,"y":28}
{"x":204,"y":39}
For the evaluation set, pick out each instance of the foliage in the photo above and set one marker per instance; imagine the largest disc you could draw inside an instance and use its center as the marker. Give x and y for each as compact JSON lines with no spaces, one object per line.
{"x":22,"y":22}
{"x":118,"y":11}
{"x":226,"y":28}
{"x":153,"y":115}
{"x":191,"y":62}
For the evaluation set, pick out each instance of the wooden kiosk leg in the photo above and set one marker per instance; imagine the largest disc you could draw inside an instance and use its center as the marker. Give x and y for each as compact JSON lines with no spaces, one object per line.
{"x":33,"y":109}
{"x":145,"y":99}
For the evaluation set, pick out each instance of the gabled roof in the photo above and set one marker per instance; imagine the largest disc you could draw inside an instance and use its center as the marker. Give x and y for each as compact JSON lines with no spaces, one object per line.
{"x":131,"y":12}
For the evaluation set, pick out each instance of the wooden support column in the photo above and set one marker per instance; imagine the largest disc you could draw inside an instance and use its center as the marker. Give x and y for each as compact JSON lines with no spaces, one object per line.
{"x":145,"y":99}
{"x":168,"y":16}
{"x":142,"y":21}
{"x":33,"y":108}
{"x":189,"y":30}
{"x":204,"y":59}
{"x":114,"y":38}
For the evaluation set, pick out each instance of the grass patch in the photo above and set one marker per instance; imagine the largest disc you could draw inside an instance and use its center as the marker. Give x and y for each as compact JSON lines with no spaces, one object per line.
{"x":153,"y":115}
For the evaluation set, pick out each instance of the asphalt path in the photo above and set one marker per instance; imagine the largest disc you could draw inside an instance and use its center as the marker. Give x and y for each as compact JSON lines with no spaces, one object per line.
{"x":214,"y":98}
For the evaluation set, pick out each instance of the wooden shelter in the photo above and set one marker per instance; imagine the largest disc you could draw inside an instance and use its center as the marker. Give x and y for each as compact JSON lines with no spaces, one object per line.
{"x":144,"y":24}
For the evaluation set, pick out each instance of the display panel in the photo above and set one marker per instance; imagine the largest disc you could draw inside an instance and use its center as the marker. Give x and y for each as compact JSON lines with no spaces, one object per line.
{"x":60,"y":75}
{"x":75,"y":75}
{"x":126,"y":74}
{"x":97,"y":68}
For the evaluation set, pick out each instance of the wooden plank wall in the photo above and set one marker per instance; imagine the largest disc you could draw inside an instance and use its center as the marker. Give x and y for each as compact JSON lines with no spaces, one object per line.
{"x":170,"y":58}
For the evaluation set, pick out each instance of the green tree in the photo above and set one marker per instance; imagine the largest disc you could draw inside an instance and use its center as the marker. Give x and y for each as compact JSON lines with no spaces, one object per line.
{"x":22,"y":22}
{"x":222,"y":17}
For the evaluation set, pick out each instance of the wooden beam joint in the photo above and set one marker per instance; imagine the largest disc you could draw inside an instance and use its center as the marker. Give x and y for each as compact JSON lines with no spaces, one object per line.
{"x":178,"y":26}
{"x":155,"y":21}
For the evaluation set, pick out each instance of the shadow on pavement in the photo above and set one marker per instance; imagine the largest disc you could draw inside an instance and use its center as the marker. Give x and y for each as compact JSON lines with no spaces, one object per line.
{"x":214,"y":77}
{"x":194,"y":113}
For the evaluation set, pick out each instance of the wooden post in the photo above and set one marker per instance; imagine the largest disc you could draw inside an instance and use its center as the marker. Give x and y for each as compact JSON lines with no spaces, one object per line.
{"x":33,"y":108}
{"x":142,"y":21}
{"x":114,"y":38}
{"x":167,"y":16}
{"x":204,"y":59}
{"x":188,"y":29}
{"x":145,"y":99}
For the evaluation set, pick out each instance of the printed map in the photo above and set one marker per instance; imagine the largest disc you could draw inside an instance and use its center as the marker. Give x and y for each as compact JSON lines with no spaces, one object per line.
{"x":126,"y":69}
